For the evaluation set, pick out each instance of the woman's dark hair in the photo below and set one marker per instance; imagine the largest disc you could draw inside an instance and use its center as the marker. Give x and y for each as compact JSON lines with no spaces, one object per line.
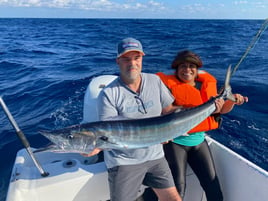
{"x":186,"y":56}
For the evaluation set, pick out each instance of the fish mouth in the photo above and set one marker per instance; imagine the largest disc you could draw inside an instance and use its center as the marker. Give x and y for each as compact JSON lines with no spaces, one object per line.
{"x":76,"y":141}
{"x":50,"y":136}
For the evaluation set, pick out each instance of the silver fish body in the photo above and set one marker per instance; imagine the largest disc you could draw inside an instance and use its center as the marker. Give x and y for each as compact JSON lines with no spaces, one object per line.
{"x":130,"y":134}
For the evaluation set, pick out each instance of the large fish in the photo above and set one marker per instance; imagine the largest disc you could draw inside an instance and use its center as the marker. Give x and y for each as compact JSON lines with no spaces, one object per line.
{"x":129,"y":134}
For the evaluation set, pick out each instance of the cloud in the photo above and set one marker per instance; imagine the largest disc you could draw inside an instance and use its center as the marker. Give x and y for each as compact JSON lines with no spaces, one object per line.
{"x":240,"y":2}
{"x":105,"y":5}
{"x":193,"y":8}
{"x":260,"y":3}
{"x":97,"y":5}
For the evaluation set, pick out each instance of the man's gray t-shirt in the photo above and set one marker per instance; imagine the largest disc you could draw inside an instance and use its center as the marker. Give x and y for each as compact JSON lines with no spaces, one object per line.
{"x":117,"y":101}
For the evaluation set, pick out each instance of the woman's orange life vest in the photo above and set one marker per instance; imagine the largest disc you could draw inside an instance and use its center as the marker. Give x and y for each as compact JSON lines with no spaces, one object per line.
{"x":188,"y":96}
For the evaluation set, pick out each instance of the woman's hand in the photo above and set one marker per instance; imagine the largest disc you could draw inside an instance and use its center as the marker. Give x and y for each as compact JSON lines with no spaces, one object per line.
{"x":240,"y":99}
{"x":228,"y":105}
{"x":219,"y":104}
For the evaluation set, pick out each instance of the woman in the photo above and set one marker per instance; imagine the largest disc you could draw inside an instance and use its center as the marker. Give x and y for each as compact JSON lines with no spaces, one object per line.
{"x":192,"y":87}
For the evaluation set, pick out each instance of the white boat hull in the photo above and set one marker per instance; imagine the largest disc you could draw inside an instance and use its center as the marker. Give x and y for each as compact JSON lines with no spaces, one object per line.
{"x":73,"y":177}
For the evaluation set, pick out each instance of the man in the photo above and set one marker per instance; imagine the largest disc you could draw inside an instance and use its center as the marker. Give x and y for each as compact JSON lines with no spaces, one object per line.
{"x":136,"y":95}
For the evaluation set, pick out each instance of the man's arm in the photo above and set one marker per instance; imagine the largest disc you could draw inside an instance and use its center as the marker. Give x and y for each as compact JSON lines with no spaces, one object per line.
{"x":171,"y":108}
{"x":106,"y":107}
{"x":106,"y":112}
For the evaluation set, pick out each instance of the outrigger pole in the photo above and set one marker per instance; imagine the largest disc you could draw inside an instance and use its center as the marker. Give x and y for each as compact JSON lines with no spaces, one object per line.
{"x":22,"y":138}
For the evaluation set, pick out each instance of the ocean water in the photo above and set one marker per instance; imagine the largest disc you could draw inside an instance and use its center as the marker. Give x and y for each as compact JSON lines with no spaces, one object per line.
{"x":46,"y":65}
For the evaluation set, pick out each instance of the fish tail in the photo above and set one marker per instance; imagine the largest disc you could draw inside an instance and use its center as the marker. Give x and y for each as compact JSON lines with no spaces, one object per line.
{"x":226,"y":91}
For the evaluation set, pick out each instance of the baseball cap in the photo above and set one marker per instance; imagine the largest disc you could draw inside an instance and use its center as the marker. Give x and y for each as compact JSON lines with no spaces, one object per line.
{"x":128,"y":45}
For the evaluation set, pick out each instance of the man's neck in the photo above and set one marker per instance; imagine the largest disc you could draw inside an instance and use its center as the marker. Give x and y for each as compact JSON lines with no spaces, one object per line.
{"x":134,"y":85}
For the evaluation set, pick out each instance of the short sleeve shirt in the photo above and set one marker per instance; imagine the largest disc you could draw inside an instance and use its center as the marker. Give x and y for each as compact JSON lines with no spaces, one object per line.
{"x":117,"y":101}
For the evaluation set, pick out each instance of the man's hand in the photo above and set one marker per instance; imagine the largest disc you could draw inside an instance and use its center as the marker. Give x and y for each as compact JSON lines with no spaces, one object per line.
{"x":94,"y":152}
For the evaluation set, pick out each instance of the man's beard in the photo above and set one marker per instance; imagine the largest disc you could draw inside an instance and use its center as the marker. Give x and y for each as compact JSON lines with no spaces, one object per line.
{"x":132,"y":75}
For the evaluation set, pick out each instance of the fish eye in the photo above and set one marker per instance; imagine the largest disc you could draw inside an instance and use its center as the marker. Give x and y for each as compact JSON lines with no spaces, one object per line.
{"x":70,"y":137}
{"x":104,"y":138}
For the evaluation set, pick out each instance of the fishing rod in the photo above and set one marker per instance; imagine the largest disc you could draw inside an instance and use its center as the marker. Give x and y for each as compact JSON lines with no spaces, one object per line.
{"x":251,"y":45}
{"x":22,"y":137}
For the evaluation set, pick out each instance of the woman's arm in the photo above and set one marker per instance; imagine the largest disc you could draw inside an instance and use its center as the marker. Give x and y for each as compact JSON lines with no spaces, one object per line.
{"x":228,"y":104}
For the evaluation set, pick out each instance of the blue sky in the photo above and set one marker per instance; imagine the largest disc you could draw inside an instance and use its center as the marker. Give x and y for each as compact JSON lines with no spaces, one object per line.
{"x":180,"y":9}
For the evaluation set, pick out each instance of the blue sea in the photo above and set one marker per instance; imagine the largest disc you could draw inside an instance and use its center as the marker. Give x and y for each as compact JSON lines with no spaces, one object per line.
{"x":46,"y":65}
